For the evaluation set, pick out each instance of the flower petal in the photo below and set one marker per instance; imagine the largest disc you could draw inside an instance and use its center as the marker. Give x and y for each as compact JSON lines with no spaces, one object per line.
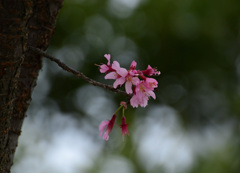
{"x":104,"y":68}
{"x":135,"y":80}
{"x":144,"y":102}
{"x":151,"y":83}
{"x":122,"y":72}
{"x":128,"y":87}
{"x":102,"y":126}
{"x":133,"y":65}
{"x":119,"y":81}
{"x":108,"y":56}
{"x":152,"y":94}
{"x":115,"y":65}
{"x":111,"y":75}
{"x":106,"y":135}
{"x":134,"y":101}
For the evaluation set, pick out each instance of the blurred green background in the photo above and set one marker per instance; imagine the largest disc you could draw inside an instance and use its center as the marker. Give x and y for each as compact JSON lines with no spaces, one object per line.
{"x":192,"y":127}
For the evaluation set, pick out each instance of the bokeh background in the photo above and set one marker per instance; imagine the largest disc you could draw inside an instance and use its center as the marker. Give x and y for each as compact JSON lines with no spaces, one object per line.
{"x":192,"y":127}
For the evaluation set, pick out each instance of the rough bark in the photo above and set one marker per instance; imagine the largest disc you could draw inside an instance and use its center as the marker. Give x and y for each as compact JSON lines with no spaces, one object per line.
{"x":22,"y":23}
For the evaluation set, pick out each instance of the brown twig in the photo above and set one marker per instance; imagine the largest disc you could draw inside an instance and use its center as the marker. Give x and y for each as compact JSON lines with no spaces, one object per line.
{"x":76,"y":73}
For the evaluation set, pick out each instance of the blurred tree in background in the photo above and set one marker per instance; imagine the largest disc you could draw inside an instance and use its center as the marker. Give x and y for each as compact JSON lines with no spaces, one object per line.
{"x":193,"y":126}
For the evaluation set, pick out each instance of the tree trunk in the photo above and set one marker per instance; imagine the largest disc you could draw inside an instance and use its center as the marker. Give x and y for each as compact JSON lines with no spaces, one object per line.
{"x":23,"y":23}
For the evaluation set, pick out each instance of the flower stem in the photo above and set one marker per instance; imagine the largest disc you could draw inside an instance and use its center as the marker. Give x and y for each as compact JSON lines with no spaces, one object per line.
{"x":118,"y":110}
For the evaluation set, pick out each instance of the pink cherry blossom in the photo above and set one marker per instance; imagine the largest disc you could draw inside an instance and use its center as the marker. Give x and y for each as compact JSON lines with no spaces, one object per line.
{"x":119,"y":79}
{"x":106,"y":68}
{"x":151,"y":71}
{"x":119,"y":74}
{"x":133,"y":65}
{"x":109,"y":124}
{"x":133,"y":71}
{"x":131,"y":78}
{"x":142,"y":94}
{"x":135,"y":81}
{"x":151,"y":83}
{"x":143,"y":87}
{"x":124,"y":127}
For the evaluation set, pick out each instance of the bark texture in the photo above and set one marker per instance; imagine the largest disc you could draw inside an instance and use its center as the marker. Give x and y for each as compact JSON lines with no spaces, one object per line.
{"x":23,"y":23}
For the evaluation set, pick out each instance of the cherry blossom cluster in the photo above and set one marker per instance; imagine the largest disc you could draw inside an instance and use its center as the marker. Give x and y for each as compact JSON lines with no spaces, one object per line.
{"x":137,"y":85}
{"x":136,"y":82}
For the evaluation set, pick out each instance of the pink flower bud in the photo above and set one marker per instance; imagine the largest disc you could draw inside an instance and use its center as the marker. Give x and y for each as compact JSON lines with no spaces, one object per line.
{"x":124,"y":127}
{"x":124,"y":104}
{"x":151,"y":71}
{"x":109,"y":124}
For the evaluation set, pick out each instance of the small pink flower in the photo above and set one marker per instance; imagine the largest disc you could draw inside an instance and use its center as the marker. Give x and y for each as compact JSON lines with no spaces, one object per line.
{"x":133,"y":71}
{"x":109,"y":124}
{"x":151,"y":71}
{"x":119,"y":74}
{"x":151,"y":83}
{"x":133,"y":65}
{"x":141,"y":94}
{"x":106,"y":68}
{"x":144,"y":88}
{"x":124,"y":127}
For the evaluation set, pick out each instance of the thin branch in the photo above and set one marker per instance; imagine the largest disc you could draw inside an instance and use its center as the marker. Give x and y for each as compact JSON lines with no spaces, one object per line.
{"x":76,"y":73}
